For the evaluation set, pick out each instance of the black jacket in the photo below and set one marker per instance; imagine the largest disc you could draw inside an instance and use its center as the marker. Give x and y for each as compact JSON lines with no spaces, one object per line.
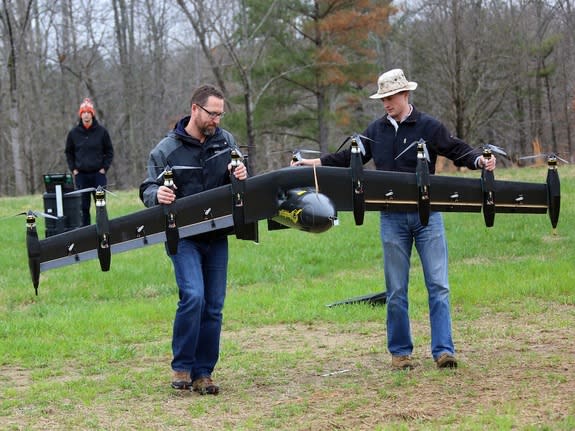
{"x":89,"y":150}
{"x":388,"y":144}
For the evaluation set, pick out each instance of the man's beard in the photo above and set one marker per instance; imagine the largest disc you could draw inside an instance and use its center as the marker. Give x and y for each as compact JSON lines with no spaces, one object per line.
{"x":208,"y":131}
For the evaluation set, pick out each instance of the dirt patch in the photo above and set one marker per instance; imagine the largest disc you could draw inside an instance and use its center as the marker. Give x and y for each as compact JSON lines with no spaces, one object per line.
{"x":509,"y":363}
{"x":515,"y":370}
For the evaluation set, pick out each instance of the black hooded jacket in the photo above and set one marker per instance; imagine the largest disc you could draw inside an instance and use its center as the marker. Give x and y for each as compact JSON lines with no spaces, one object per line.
{"x":89,"y":150}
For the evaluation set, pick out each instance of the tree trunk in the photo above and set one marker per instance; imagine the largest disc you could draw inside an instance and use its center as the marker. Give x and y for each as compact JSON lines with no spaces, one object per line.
{"x":14,"y":125}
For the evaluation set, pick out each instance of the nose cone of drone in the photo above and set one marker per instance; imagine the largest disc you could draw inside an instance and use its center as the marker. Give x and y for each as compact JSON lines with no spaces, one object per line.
{"x":307,"y":210}
{"x":318,"y":213}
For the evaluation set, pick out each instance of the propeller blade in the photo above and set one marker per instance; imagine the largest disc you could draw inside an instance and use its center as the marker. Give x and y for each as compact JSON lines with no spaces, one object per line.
{"x":358,"y":138}
{"x":37,"y":214}
{"x":178,"y":167}
{"x":410,"y":146}
{"x":89,"y":189}
{"x":219,"y":153}
{"x":497,"y":150}
{"x":420,"y":141}
{"x":549,"y":156}
{"x":80,"y":191}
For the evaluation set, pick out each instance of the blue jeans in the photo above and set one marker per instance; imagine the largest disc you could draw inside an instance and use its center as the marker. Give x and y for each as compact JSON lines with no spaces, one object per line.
{"x":399,"y":231}
{"x":200,"y":268}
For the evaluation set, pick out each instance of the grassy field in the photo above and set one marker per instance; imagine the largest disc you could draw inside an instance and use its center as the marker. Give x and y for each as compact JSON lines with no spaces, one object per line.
{"x":92,"y":351}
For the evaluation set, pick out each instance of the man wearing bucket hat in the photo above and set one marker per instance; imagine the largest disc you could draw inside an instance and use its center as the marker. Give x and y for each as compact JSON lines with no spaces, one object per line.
{"x":389,"y":136}
{"x":89,"y":153}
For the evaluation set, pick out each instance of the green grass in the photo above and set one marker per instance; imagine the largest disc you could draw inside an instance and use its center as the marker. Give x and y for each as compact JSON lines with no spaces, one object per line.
{"x":92,"y":351}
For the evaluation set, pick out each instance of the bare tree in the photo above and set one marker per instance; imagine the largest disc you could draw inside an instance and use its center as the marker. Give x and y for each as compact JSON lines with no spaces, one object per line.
{"x":206,"y":17}
{"x":124,"y":29}
{"x":455,"y":55}
{"x":243,"y":42}
{"x":15,"y":21}
{"x":567,"y":92}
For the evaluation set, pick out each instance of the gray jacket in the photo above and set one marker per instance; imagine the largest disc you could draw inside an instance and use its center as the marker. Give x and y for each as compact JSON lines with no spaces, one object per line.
{"x":178,"y":149}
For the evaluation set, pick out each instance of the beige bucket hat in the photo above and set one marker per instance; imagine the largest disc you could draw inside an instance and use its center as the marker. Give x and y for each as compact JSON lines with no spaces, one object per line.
{"x":392,"y":82}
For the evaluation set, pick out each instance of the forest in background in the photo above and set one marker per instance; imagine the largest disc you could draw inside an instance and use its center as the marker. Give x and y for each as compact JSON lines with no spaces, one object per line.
{"x":296,"y":74}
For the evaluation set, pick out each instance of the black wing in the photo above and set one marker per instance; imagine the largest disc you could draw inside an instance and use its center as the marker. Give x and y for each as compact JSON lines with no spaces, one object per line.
{"x":261,"y":197}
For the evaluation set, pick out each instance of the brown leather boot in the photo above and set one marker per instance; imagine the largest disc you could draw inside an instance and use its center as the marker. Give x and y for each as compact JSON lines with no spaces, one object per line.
{"x":401,"y":362}
{"x":205,"y":386}
{"x":446,"y":360}
{"x":181,"y":380}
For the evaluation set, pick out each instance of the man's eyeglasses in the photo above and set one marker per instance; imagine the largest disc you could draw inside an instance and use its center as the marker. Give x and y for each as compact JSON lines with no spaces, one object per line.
{"x":212,"y":115}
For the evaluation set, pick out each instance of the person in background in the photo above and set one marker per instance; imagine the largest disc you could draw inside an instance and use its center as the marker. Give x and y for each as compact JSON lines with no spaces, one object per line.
{"x":200,"y":264}
{"x":89,"y":154}
{"x":388,"y":136}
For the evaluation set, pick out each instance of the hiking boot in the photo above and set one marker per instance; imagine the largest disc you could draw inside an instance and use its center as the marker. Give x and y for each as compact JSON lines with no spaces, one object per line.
{"x":401,"y":362}
{"x":446,"y":360}
{"x":205,"y":386}
{"x":181,"y":380}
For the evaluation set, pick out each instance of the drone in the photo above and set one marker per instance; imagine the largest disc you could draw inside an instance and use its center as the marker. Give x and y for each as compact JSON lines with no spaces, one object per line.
{"x":303,"y":198}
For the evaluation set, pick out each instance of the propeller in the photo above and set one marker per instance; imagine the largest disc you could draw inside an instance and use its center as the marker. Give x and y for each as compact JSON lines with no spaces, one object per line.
{"x":358,"y":139}
{"x":548,"y":156}
{"x":496,"y":150}
{"x":413,"y":144}
{"x":169,"y":168}
{"x":90,"y":190}
{"x":236,"y":151}
{"x":297,"y":155}
{"x":36,"y":214}
{"x":493,"y":149}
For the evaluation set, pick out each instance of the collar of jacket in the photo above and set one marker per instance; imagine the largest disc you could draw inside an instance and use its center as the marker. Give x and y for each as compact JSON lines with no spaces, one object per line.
{"x":412,"y":118}
{"x":180,"y":132}
{"x":93,"y":126}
